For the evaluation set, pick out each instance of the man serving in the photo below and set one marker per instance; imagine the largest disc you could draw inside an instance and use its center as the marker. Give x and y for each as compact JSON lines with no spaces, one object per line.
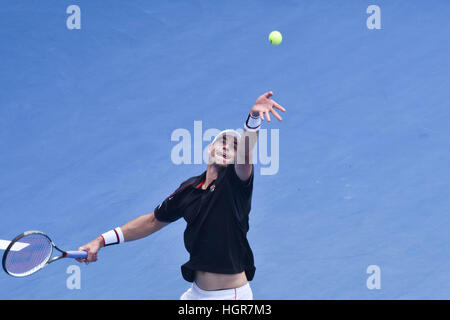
{"x":216,"y":207}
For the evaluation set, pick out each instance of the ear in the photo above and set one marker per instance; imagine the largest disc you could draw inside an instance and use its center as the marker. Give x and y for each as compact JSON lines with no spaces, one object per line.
{"x":210,"y":152}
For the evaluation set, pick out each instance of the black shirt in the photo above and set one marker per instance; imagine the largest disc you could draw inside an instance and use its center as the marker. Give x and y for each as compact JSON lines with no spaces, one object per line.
{"x":217,"y":223}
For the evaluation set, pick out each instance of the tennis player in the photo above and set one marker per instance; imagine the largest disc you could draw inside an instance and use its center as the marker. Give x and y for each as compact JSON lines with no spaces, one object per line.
{"x":216,"y":207}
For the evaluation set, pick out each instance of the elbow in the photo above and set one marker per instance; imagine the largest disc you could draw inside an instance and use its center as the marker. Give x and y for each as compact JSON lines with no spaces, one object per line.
{"x":155,"y":223}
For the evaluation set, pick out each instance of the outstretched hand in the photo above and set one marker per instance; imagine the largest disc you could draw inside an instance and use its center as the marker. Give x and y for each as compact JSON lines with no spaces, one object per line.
{"x":264,"y":106}
{"x":92,"y":249}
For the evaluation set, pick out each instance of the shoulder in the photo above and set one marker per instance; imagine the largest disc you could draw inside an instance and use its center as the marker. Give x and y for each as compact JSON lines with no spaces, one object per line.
{"x":231,"y":173}
{"x":189,"y":182}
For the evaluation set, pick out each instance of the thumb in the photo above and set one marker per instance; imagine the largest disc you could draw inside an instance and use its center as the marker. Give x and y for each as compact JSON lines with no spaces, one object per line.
{"x":83,"y":248}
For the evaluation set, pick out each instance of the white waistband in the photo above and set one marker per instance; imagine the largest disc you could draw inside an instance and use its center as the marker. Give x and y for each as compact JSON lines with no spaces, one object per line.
{"x":222,"y":292}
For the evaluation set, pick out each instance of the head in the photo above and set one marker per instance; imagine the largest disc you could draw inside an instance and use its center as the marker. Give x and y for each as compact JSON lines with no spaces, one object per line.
{"x":223,"y":150}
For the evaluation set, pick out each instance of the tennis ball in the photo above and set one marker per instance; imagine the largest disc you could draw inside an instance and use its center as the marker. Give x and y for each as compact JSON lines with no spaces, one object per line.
{"x":275,"y":38}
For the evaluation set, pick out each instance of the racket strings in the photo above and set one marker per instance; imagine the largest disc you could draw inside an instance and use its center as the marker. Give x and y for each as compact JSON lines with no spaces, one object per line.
{"x":30,"y":258}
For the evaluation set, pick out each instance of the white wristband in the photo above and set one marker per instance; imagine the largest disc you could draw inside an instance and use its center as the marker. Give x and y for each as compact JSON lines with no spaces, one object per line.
{"x":253,"y":123}
{"x":114,"y":236}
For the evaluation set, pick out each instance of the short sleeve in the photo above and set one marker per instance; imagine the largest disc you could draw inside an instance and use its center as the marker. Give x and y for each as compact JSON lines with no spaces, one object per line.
{"x":168,"y":210}
{"x":246,"y":186}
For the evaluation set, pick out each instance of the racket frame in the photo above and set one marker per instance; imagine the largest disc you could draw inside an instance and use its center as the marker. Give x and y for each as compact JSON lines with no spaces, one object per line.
{"x":41,"y":265}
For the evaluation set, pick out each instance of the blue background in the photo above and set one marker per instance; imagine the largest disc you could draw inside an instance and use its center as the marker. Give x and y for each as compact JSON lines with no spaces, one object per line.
{"x":86,"y":117}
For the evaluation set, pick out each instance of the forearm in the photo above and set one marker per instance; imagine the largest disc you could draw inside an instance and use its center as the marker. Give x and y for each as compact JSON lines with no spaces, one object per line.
{"x":246,"y":145}
{"x":135,"y":229}
{"x":248,"y":139}
{"x":141,"y":227}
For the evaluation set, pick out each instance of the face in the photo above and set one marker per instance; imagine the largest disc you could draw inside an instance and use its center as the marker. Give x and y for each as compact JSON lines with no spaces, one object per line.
{"x":224,"y":151}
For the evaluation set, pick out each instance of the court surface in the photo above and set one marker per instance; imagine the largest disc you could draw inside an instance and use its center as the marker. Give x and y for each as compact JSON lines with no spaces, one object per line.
{"x":86,"y":118}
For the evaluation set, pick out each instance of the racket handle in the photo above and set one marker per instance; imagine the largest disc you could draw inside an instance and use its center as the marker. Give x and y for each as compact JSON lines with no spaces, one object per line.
{"x":76,"y":254}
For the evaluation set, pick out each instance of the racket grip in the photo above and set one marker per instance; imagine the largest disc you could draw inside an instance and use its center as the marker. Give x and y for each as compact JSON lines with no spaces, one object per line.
{"x":76,"y":254}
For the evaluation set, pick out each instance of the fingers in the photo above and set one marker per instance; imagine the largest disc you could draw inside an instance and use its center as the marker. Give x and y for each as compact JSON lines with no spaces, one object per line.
{"x":266,"y":113}
{"x":92,"y":255}
{"x":268,"y":94}
{"x":83,"y":260}
{"x":261,"y":116}
{"x":274,"y":112}
{"x":265,"y":106}
{"x":276,"y":115}
{"x":90,"y":258}
{"x":276,"y":105}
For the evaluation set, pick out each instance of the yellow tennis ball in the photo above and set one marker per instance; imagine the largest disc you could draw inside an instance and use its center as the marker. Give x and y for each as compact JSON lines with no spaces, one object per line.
{"x":275,"y":37}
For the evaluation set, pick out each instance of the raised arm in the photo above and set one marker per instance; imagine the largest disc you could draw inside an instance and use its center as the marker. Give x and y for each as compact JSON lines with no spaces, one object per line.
{"x":263,"y":107}
{"x":244,"y":161}
{"x":138,"y":228}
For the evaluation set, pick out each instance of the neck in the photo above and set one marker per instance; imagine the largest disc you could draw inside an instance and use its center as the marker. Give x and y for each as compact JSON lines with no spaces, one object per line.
{"x":211,"y":174}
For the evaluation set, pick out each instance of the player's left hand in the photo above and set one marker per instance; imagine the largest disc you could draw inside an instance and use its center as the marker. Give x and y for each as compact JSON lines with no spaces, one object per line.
{"x":264,"y":106}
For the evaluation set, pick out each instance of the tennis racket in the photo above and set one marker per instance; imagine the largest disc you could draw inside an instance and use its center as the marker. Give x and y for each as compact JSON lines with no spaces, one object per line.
{"x":35,"y":256}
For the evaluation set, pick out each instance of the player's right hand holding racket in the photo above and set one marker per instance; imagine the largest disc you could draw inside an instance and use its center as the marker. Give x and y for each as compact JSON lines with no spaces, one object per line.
{"x":92,"y":248}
